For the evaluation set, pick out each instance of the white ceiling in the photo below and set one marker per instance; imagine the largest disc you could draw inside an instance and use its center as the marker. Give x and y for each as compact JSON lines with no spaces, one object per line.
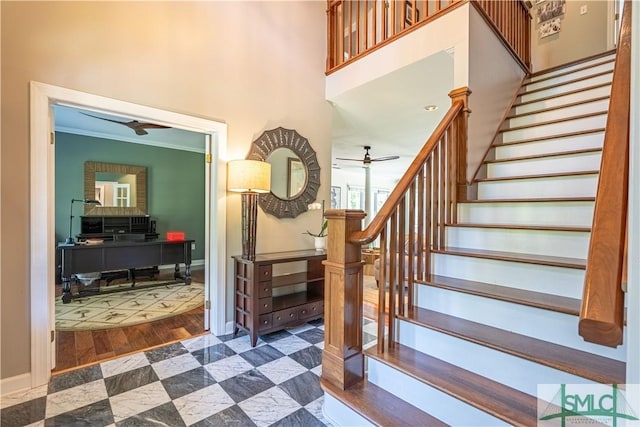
{"x":386,"y":113}
{"x":76,"y":121}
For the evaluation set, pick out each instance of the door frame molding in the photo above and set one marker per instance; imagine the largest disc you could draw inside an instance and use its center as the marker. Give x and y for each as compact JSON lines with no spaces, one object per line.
{"x":42,"y":209}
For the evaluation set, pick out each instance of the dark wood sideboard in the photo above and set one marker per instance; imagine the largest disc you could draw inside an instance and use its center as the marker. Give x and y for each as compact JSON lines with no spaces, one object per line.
{"x":266,"y":303}
{"x":123,"y":255}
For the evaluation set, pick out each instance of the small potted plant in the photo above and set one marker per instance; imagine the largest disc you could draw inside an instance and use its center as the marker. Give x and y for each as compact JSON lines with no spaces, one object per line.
{"x":320,"y":237}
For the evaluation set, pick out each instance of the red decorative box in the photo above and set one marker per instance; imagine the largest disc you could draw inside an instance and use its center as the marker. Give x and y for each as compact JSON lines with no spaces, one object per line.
{"x":175,"y":235}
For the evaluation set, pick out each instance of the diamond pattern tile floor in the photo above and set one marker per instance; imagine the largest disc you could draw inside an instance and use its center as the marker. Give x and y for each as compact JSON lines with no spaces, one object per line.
{"x":204,"y":381}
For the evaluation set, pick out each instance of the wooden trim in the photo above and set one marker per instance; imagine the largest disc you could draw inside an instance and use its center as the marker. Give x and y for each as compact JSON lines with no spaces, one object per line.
{"x":602,"y":313}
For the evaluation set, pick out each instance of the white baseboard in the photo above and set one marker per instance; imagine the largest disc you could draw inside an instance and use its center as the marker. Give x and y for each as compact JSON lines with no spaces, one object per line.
{"x":13,"y":384}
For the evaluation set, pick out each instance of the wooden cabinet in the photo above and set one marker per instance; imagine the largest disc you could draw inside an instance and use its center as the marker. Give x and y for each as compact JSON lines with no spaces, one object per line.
{"x":266,"y":302}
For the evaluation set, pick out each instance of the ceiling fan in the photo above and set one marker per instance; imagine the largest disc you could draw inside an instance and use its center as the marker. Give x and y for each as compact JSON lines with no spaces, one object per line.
{"x":367,"y":157}
{"x":136,"y":126}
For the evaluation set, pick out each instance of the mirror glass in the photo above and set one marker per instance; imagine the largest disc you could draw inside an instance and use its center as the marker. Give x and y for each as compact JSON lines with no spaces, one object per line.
{"x":113,"y":189}
{"x":120,"y":189}
{"x":288,"y":174}
{"x":295,"y":172}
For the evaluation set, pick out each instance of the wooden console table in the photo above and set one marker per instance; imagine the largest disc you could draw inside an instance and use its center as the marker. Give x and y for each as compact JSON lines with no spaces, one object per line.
{"x":120,"y":255}
{"x":266,"y":303}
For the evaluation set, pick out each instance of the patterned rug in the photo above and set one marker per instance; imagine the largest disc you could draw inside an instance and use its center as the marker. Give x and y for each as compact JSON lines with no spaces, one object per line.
{"x":129,"y":307}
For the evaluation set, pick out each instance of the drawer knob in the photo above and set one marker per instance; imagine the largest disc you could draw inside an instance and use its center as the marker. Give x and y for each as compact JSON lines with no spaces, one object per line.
{"x":304,"y":311}
{"x":266,"y":305}
{"x":265,"y":322}
{"x":290,"y":314}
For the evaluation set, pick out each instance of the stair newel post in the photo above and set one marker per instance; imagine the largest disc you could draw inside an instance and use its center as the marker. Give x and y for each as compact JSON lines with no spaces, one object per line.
{"x":459,"y":134}
{"x":342,"y":358}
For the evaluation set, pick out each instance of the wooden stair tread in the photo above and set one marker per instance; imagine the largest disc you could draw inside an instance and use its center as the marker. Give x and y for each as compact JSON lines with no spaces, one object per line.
{"x":522,"y":227}
{"x":568,"y":82}
{"x":547,"y":175}
{"x":551,"y":122}
{"x":542,"y":200}
{"x":603,"y":58}
{"x":553,"y":261}
{"x":544,"y":138}
{"x":557,"y":107}
{"x":558,"y":95}
{"x":379,"y":406}
{"x":529,"y":80}
{"x":505,"y":403}
{"x":576,"y":362}
{"x":545,"y":155}
{"x":540,"y":300}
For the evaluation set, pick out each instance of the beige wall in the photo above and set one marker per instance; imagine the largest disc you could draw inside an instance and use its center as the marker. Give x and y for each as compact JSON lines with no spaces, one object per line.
{"x":253,"y":65}
{"x":580,"y":35}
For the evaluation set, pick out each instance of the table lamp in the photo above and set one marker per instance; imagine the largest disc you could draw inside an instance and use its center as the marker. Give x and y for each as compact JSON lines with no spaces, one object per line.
{"x":70,"y":240}
{"x":249,"y":177}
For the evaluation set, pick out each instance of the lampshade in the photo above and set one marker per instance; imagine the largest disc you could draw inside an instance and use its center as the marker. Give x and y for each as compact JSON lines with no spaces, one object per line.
{"x":248,"y":176}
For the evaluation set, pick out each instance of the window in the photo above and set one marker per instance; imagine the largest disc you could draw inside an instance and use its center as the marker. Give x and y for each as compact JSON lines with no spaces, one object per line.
{"x":355,"y":198}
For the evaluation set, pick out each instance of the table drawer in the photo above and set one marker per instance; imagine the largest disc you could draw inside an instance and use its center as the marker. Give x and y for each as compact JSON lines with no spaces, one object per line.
{"x":285,"y":316}
{"x":264,"y":289}
{"x":264,"y":273}
{"x":265,"y":322}
{"x":312,"y":309}
{"x":264,"y":305}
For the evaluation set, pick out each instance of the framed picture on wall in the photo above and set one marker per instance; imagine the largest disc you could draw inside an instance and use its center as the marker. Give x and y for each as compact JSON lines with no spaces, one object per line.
{"x":408,"y":13}
{"x":336,"y":193}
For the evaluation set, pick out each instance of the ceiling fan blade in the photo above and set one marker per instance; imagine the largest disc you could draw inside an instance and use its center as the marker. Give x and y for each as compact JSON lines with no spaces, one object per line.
{"x":382,"y":159}
{"x":136,"y":126}
{"x":352,"y":160}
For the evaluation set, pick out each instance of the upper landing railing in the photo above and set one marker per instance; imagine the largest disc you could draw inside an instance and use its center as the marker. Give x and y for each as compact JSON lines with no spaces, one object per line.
{"x":358,"y":27}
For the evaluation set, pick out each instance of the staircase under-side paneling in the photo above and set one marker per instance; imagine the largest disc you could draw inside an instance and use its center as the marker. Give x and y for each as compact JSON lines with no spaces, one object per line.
{"x":498,"y":313}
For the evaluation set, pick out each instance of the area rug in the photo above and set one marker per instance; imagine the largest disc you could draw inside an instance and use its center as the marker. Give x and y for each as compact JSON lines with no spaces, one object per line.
{"x":129,"y":307}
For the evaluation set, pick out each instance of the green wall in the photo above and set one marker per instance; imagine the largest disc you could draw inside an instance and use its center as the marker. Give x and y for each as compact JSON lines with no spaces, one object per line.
{"x":175,"y":183}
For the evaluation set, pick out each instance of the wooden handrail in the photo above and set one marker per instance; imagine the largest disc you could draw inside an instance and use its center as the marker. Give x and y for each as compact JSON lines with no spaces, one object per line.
{"x":602,"y":311}
{"x":416,"y":211}
{"x":356,"y":28}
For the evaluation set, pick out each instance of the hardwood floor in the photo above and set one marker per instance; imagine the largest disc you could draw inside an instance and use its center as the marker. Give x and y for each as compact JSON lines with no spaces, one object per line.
{"x":75,"y":349}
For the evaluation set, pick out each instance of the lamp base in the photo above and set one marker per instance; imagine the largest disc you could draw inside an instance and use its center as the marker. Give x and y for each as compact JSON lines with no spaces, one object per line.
{"x":249,"y":221}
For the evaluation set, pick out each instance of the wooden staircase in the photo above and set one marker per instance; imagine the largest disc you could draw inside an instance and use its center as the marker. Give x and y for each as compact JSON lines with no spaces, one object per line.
{"x":498,"y":314}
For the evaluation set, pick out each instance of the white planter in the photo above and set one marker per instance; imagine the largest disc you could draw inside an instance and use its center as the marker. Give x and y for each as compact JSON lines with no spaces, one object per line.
{"x":321,"y":243}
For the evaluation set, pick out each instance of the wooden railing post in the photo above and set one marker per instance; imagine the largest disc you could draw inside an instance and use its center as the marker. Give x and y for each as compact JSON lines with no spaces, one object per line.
{"x":460,"y":139}
{"x":342,"y":358}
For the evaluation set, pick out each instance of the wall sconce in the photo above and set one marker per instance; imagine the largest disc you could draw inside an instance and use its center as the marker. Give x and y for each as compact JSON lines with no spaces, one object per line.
{"x":249,"y":177}
{"x":70,"y":240}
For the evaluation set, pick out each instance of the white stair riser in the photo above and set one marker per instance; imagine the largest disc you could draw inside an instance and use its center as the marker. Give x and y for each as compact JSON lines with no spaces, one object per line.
{"x":539,"y":84}
{"x":560,"y":281}
{"x":559,"y":90}
{"x":541,"y":242}
{"x":552,"y":129}
{"x":569,"y":98}
{"x":340,"y":414}
{"x":575,"y":67}
{"x":558,"y":328}
{"x":438,"y":404}
{"x":555,"y":145}
{"x":545,"y":165}
{"x":572,"y":111}
{"x":501,"y":367}
{"x":539,"y":188}
{"x":577,"y":214}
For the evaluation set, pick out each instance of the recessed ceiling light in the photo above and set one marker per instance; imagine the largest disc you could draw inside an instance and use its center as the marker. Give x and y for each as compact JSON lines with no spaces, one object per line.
{"x":431,"y":107}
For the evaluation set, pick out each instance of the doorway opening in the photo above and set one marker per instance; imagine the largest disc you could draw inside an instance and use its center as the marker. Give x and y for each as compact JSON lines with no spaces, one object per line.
{"x":117,"y":312}
{"x":42,"y":210}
